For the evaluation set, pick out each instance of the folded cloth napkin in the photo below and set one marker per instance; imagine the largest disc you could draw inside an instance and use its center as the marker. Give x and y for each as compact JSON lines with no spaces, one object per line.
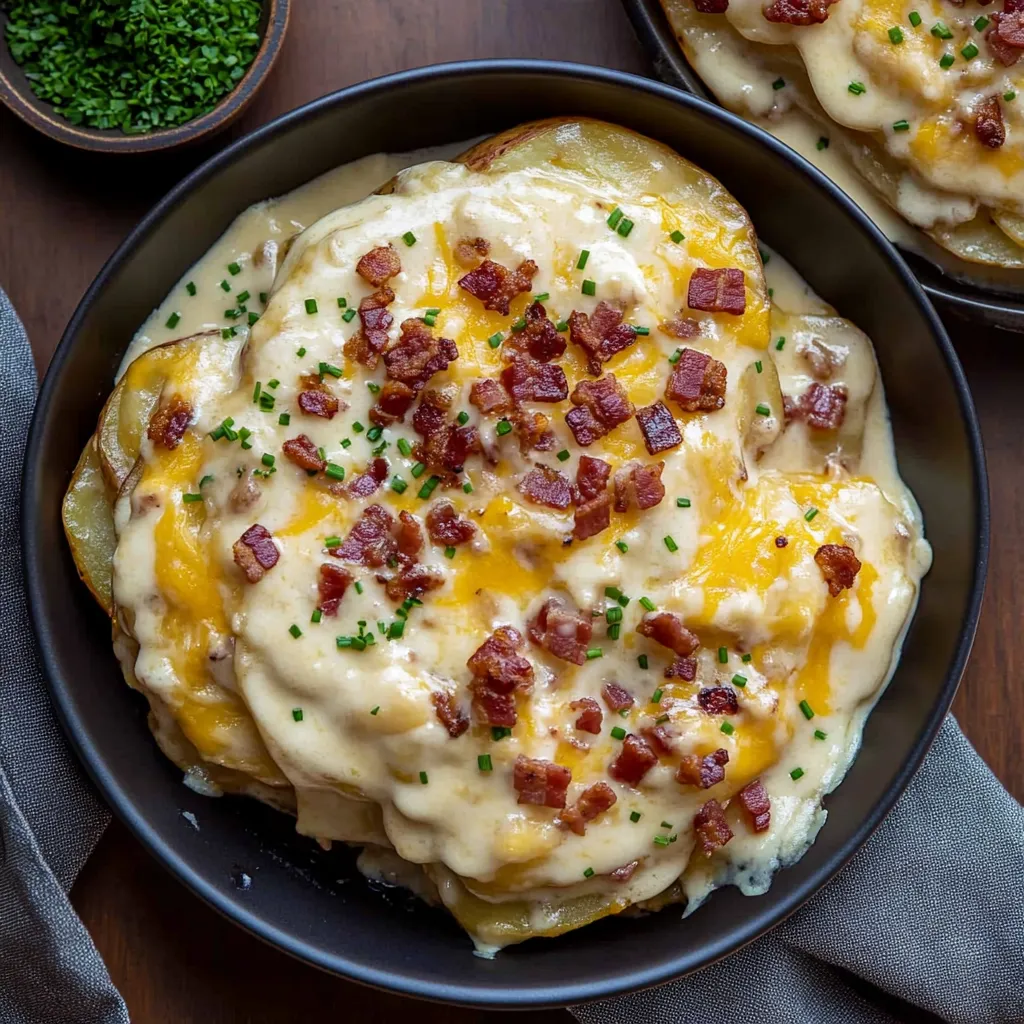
{"x":924,"y":919}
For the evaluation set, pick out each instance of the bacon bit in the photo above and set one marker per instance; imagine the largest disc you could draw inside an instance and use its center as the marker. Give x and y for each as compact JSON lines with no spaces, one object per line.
{"x":697,"y":383}
{"x":393,"y":402}
{"x":823,"y":406}
{"x":1011,"y":25}
{"x":379,"y":265}
{"x":445,"y":526}
{"x":667,"y":629}
{"x":988,"y":123}
{"x":469,"y":250}
{"x":591,"y":715}
{"x":432,"y":412}
{"x":255,"y":553}
{"x":562,"y":630}
{"x":591,"y":478}
{"x":600,"y":335}
{"x":546,"y":486}
{"x":489,"y":397}
{"x":660,"y":737}
{"x":1006,"y":53}
{"x":593,"y":503}
{"x":711,"y":828}
{"x":493,"y":708}
{"x":369,"y":542}
{"x":303,"y":453}
{"x":366,"y":346}
{"x":331,"y":587}
{"x":495,"y":286}
{"x":497,"y":662}
{"x":539,"y":782}
{"x":718,"y":291}
{"x":601,"y":405}
{"x":417,"y":355}
{"x":682,"y":668}
{"x":409,"y":535}
{"x":449,"y":713}
{"x":318,"y":403}
{"x":527,"y":380}
{"x":532,"y":431}
{"x":798,"y":12}
{"x":839,"y":565}
{"x":703,"y":772}
{"x":169,"y":422}
{"x":757,"y":805}
{"x":594,"y":800}
{"x":412,"y":581}
{"x":624,"y":872}
{"x":718,"y":700}
{"x":660,"y":430}
{"x":539,"y":338}
{"x":449,"y":448}
{"x":366,"y":483}
{"x":640,"y":485}
{"x":781,"y":542}
{"x":617,"y":698}
{"x":684,"y":327}
{"x":635,"y":760}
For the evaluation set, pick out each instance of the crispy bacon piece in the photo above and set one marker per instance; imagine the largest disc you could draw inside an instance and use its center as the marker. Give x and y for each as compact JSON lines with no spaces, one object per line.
{"x":546,"y":486}
{"x":432,"y":412}
{"x":660,"y":430}
{"x":411,"y":581}
{"x":757,"y":805}
{"x":988,"y":123}
{"x":839,"y":565}
{"x":447,"y":449}
{"x":710,"y":827}
{"x":1011,"y":24}
{"x":496,"y":286}
{"x":363,"y":485}
{"x":539,"y":338}
{"x":680,"y":326}
{"x":532,"y":430}
{"x":409,"y":535}
{"x":379,"y":265}
{"x":369,"y":542}
{"x":255,"y":553}
{"x":332,"y":583}
{"x":366,"y":346}
{"x":660,"y":737}
{"x":635,"y":760}
{"x":798,"y":12}
{"x":469,"y":250}
{"x":823,"y":406}
{"x":304,"y":453}
{"x":601,"y":405}
{"x":449,"y":713}
{"x":624,"y":872}
{"x":492,"y":707}
{"x":667,"y":629}
{"x":697,"y":382}
{"x":393,"y":402}
{"x":640,"y":485}
{"x":490,"y":397}
{"x":718,"y":291}
{"x":1006,"y":53}
{"x":591,"y":716}
{"x":594,"y":800}
{"x":497,"y":662}
{"x":718,"y":700}
{"x":527,"y":380}
{"x":593,"y":503}
{"x":600,"y":335}
{"x":703,"y":772}
{"x":682,"y":668}
{"x":320,"y":403}
{"x":540,"y":782}
{"x":445,"y":526}
{"x":169,"y":422}
{"x":417,"y":355}
{"x":617,"y":698}
{"x":562,"y":630}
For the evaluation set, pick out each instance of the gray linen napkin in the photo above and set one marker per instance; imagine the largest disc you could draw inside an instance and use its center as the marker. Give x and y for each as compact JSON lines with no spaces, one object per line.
{"x":50,"y":971}
{"x":932,"y":916}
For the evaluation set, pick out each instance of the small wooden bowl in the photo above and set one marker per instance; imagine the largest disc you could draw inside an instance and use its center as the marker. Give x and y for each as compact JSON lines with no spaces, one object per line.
{"x":16,"y":94}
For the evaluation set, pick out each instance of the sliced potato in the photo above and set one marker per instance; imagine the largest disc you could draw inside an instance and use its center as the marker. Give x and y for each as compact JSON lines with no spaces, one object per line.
{"x":759,"y":388}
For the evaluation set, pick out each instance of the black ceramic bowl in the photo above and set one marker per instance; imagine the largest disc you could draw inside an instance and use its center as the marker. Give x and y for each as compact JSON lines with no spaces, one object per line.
{"x":976,"y":304}
{"x":310,"y":903}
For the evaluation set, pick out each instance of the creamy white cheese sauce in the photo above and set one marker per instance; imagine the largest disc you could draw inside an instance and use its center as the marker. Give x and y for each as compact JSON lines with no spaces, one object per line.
{"x":353,"y":731}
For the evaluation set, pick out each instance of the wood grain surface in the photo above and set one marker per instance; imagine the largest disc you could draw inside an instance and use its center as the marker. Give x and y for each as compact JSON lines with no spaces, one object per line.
{"x":62,"y":214}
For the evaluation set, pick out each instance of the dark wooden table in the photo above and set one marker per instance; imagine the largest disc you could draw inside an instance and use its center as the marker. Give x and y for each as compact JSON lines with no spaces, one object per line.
{"x":62,"y":214}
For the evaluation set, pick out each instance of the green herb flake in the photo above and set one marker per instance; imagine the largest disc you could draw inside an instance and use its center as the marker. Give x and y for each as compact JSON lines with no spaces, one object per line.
{"x":822,"y":143}
{"x":191,"y":288}
{"x":896,"y":35}
{"x":796,"y":773}
{"x":739,"y":680}
{"x":589,"y":287}
{"x":677,"y":236}
{"x":914,"y":18}
{"x":295,"y":631}
{"x":173,"y":320}
{"x":981,"y":23}
{"x":484,"y":763}
{"x":682,"y":502}
{"x":819,"y":734}
{"x":409,"y":238}
{"x":297,"y":714}
{"x":727,"y":728}
{"x":806,"y":710}
{"x":779,"y":83}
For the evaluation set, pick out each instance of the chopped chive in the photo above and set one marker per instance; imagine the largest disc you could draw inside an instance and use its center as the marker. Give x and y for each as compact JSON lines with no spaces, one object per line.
{"x":807,"y":710}
{"x":348,"y":316}
{"x":618,"y":733}
{"x":642,"y":661}
{"x":594,"y":652}
{"x":467,"y":487}
{"x":334,"y":471}
{"x":242,"y":297}
{"x":373,"y":434}
{"x":357,"y":427}
{"x":634,"y":816}
{"x":625,"y":226}
{"x":896,"y":34}
{"x":779,"y":83}
{"x":1009,"y":96}
{"x":901,"y":126}
{"x":483,"y":762}
{"x":822,"y":143}
{"x":666,"y":824}
{"x":503,"y":427}
{"x":660,"y":719}
{"x":723,"y":655}
{"x":263,"y":297}
{"x":374,"y":711}
{"x":762,"y":410}
{"x":563,"y":455}
{"x":582,"y":261}
{"x":739,"y":680}
{"x":780,"y":344}
{"x":428,"y":488}
{"x":373,"y":387}
{"x":614,"y":631}
{"x":914,"y":18}
{"x":662,"y":840}
{"x":941,"y":31}
{"x":495,"y":339}
{"x":588,"y":873}
{"x":674,"y":358}
{"x":946,"y":61}
{"x":334,"y":541}
{"x":310,"y":306}
{"x":418,"y":470}
{"x":330,"y":368}
{"x":657,"y":695}
{"x":589,"y":287}
{"x":969,"y":52}
{"x":614,"y":218}
{"x":796,"y":773}
{"x":757,"y":366}
{"x":810,"y":514}
{"x":430,"y":319}
{"x":857,"y":88}
{"x":342,"y":303}
{"x":233,"y":269}
{"x":624,"y":600}
{"x":409,"y":238}
{"x":191,"y":498}
{"x":225,"y":286}
{"x":206,"y":479}
{"x":173,"y":320}
{"x":398,"y":485}
{"x":682,"y":502}
{"x":677,"y":236}
{"x":267,"y":402}
{"x":396,"y":629}
{"x":747,"y":658}
{"x":562,"y":326}
{"x":671,"y":544}
{"x":613,"y":614}
{"x":819,"y":735}
{"x":191,"y":287}
{"x":433,"y":311}
{"x":317,"y":615}
{"x":295,"y":631}
{"x":648,"y":603}
{"x":449,"y":552}
{"x":462,"y":418}
{"x":423,"y":778}
{"x":727,"y":728}
{"x":253,"y":318}
{"x":981,"y":23}
{"x":642,"y":331}
{"x":297,"y":714}
{"x":404,"y":447}
{"x":267,"y":459}
{"x":300,"y":352}
{"x":499,"y":732}
{"x":519,"y":325}
{"x":256,"y":392}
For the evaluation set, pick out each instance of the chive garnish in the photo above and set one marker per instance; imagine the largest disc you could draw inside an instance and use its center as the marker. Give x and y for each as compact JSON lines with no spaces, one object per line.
{"x":662,"y":840}
{"x":677,"y":236}
{"x":334,"y":371}
{"x":449,"y":552}
{"x":342,"y":303}
{"x":674,"y":358}
{"x":723,"y":655}
{"x":253,"y":318}
{"x":896,"y":35}
{"x":300,"y":352}
{"x":428,"y":488}
{"x":503,"y":427}
{"x":614,"y":218}
{"x":562,"y":326}
{"x":563,"y":455}
{"x":467,"y":487}
{"x":857,"y":88}
{"x":594,"y":652}
{"x":310,"y":306}
{"x":173,"y":320}
{"x":348,"y":316}
{"x":819,"y":735}
{"x":297,"y":714}
{"x":225,"y":286}
{"x":404,"y":447}
{"x":822,"y":143}
{"x":981,"y":23}
{"x":642,"y":331}
{"x":233,"y":269}
{"x":757,"y":366}
{"x":946,"y":61}
{"x":359,"y":590}
{"x":780,"y":344}
{"x":430,"y":319}
{"x":396,"y":629}
{"x":625,"y":226}
{"x":317,"y":615}
{"x":671,"y":544}
{"x":747,"y":658}
{"x":682,"y":502}
{"x":499,"y":732}
{"x":589,"y":287}
{"x":398,"y":485}
{"x":613,"y":614}
{"x":519,"y":325}
{"x":334,"y":471}
{"x":657,"y":695}
{"x":635,"y":816}
{"x":796,"y":773}
{"x":914,"y":18}
{"x":642,"y":661}
{"x":779,"y":83}
{"x":373,"y":387}
{"x":807,"y":710}
{"x":495,"y":339}
{"x":969,"y":52}
{"x":191,"y":498}
{"x":483,"y":762}
{"x":582,"y":261}
{"x":762,"y":410}
{"x":614,"y":631}
{"x":373,"y":434}
{"x":622,"y":546}
{"x":357,"y":427}
{"x":295,"y":631}
{"x":941,"y":31}
{"x":1009,"y":96}
{"x":191,"y":287}
{"x":463,"y":418}
{"x":418,"y":470}
{"x":374,"y":711}
{"x":409,"y":238}
{"x":901,"y":126}
{"x":727,"y":728}
{"x":588,"y":873}
{"x":648,"y":603}
{"x":618,"y":733}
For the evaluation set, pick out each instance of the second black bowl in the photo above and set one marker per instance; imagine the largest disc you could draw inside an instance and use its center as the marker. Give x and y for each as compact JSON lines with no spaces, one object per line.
{"x":311,"y":903}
